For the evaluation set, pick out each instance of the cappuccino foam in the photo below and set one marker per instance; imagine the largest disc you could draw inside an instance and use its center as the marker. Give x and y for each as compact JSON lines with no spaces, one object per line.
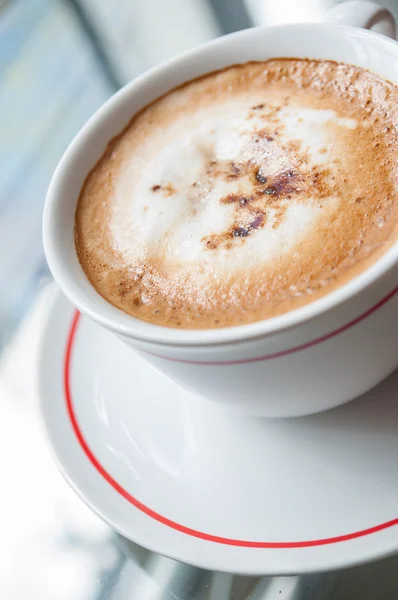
{"x":243,"y":194}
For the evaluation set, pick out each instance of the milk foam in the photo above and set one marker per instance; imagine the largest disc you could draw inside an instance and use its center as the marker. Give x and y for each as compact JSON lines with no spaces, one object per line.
{"x":147,"y":223}
{"x":243,"y":194}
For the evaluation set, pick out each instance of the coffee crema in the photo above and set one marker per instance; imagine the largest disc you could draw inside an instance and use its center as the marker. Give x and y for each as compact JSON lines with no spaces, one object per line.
{"x":243,"y":194}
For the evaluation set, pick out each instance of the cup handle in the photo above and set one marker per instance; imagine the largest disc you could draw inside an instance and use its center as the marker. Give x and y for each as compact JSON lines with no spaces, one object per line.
{"x":368,"y":15}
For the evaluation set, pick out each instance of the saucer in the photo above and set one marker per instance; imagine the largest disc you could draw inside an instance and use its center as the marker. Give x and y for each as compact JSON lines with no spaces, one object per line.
{"x":207,"y":486}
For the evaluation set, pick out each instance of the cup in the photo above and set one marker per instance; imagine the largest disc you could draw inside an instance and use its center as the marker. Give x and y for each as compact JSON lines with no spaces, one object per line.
{"x":301,"y":362}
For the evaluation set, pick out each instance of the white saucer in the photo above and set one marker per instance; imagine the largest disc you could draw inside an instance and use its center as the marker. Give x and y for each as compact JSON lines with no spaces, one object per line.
{"x":209,"y":487}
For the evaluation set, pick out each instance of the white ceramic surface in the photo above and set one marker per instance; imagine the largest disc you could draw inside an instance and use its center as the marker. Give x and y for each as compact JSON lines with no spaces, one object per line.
{"x":195,"y":482}
{"x":305,"y":361}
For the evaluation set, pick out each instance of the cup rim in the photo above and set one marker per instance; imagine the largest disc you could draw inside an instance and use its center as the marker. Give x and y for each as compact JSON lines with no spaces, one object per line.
{"x":126,"y":325}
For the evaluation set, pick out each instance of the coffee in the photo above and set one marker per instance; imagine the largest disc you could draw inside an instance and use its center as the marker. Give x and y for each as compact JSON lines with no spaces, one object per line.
{"x":243,"y":194}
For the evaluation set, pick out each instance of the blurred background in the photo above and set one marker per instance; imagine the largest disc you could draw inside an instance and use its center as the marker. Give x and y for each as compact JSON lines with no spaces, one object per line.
{"x":59,"y":61}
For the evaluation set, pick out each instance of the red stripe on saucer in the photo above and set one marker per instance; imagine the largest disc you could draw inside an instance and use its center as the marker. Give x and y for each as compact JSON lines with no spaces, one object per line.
{"x":164,"y":520}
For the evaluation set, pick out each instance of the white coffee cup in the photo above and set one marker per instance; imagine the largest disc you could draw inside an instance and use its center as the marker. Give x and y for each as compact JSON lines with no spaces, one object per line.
{"x":301,"y":362}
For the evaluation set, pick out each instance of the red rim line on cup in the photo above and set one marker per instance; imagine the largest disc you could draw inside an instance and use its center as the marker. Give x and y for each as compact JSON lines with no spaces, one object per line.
{"x":283,"y":353}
